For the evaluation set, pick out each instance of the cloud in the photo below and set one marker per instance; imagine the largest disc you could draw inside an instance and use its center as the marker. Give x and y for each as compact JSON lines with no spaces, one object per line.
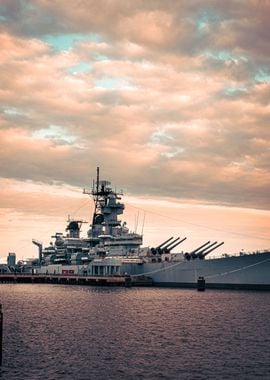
{"x":171,"y":99}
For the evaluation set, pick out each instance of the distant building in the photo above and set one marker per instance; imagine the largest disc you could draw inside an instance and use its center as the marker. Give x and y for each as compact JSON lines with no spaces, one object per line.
{"x":11,"y":259}
{"x":4,"y":268}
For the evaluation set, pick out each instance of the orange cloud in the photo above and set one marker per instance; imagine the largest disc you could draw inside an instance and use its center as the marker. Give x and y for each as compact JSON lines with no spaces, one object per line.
{"x":171,"y":99}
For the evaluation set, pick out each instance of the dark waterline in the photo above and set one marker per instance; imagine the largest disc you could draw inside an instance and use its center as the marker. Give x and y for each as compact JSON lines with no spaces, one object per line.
{"x":75,"y":332}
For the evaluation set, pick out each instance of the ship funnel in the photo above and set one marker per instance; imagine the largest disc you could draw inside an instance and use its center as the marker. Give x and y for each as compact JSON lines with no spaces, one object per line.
{"x":39,"y":244}
{"x":207,"y":250}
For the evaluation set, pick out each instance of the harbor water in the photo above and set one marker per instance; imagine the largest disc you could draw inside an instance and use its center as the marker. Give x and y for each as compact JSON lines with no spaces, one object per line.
{"x":59,"y":332}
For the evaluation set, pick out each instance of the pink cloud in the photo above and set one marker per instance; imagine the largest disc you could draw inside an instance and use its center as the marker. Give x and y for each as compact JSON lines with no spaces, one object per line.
{"x":165,"y":108}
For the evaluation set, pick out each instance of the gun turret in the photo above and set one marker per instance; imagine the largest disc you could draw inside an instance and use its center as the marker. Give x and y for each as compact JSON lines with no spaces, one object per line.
{"x":175,"y":245}
{"x":207,"y":250}
{"x":158,"y":249}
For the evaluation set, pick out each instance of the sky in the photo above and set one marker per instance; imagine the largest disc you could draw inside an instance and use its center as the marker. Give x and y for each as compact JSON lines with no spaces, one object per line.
{"x":171,"y":99}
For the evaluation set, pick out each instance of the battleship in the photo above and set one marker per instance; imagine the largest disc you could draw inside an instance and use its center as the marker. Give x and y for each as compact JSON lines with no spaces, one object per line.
{"x":111,"y":250}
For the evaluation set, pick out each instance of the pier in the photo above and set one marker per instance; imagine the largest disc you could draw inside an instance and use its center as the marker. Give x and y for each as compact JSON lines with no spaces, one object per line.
{"x":27,"y":278}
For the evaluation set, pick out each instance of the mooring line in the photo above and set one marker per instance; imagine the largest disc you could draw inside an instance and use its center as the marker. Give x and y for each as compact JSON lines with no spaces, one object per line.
{"x":159,"y":270}
{"x":210,"y":276}
{"x":237,"y":270}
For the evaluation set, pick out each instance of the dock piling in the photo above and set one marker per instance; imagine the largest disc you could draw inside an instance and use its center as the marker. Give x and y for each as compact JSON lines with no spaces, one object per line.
{"x":201,"y":284}
{"x":128,"y":282}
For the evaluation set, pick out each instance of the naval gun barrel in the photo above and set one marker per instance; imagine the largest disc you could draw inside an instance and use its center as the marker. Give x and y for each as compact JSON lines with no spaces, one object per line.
{"x":197,"y":249}
{"x":167,"y":246}
{"x":176,"y":244}
{"x":165,"y":242}
{"x":200,"y":252}
{"x":207,"y":250}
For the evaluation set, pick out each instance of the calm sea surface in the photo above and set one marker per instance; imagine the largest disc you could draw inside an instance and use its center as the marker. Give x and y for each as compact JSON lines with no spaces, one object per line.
{"x":77,"y":332}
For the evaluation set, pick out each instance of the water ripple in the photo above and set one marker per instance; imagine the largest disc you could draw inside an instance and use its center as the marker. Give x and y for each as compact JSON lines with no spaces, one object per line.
{"x":76,"y":332}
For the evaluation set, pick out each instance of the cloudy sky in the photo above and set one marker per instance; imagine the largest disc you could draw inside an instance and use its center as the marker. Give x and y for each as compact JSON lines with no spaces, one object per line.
{"x":171,"y":100}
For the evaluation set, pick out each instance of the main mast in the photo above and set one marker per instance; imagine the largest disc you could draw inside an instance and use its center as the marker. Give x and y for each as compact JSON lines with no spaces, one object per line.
{"x":95,"y":197}
{"x":106,"y":209}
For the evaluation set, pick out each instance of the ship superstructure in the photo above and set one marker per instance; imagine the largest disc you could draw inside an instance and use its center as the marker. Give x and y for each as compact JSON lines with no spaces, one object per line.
{"x":107,"y":235}
{"x":106,"y":229}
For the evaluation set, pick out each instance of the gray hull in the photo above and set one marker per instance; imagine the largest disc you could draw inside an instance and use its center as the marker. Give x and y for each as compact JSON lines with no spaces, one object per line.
{"x":246,"y":272}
